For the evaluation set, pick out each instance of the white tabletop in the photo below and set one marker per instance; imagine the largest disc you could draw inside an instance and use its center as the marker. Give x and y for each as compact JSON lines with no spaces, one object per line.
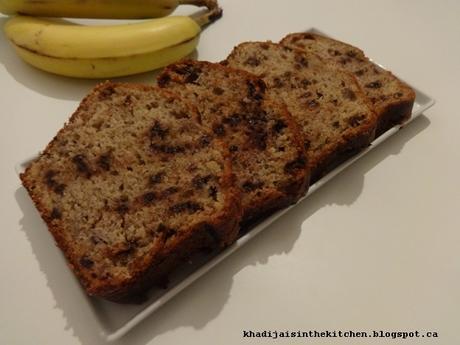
{"x":377,"y":248}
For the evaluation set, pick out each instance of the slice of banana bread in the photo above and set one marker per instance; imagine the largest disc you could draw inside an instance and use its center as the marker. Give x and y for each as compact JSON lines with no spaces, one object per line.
{"x":392,"y":99}
{"x":335,"y":115}
{"x":268,"y":157}
{"x":131,"y":186}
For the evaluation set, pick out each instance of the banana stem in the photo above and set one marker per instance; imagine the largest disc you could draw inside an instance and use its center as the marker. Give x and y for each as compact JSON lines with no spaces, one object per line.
{"x":204,"y":18}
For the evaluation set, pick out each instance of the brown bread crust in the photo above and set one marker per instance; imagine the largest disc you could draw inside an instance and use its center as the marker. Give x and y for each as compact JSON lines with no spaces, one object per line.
{"x":392,"y":99}
{"x":218,"y":93}
{"x":202,"y":230}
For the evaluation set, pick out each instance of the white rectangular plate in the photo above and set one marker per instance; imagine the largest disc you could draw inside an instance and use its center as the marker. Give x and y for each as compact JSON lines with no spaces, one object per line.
{"x":115,"y":320}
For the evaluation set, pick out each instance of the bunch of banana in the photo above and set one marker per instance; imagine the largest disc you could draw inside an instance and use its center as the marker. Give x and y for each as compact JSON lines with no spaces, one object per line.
{"x":106,"y":51}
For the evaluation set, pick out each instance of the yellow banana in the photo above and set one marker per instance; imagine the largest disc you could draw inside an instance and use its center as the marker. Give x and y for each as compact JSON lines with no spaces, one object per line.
{"x":115,"y":9}
{"x":105,"y":51}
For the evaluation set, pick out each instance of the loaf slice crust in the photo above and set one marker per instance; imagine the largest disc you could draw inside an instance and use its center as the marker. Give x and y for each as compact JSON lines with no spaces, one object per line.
{"x":132,"y":185}
{"x":265,"y":142}
{"x":391,"y":98}
{"x":332,"y":110}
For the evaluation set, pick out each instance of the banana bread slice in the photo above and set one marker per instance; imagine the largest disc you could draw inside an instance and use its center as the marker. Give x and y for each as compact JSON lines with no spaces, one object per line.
{"x":265,"y":142}
{"x":392,"y":99}
{"x":335,"y":115}
{"x":132,"y":185}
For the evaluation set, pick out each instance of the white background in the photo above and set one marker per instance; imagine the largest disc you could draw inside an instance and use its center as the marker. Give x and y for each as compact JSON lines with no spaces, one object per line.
{"x":377,"y":248}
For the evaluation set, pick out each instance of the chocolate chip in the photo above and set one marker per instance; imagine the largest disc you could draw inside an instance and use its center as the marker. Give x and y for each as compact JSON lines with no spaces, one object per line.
{"x":187,"y":194}
{"x":189,"y":72}
{"x":96,"y":125}
{"x":169,"y":191}
{"x":256,"y":89}
{"x":200,"y":181}
{"x":86,"y":262}
{"x":233,"y":148}
{"x":205,"y":140}
{"x":295,"y":165}
{"x":249,"y":186}
{"x":179,"y":114}
{"x":232,"y":120}
{"x":279,"y":126}
{"x":148,"y":198}
{"x":96,"y":240}
{"x":398,"y":95}
{"x":213,"y":192}
{"x":218,"y":91}
{"x":334,"y":52}
{"x":158,"y":131}
{"x":256,"y":119}
{"x":306,"y":144}
{"x":306,"y":95}
{"x":140,"y":160}
{"x":104,"y":161}
{"x":277,"y":83}
{"x":106,"y":92}
{"x":192,"y":77}
{"x":259,"y":139}
{"x":374,"y":85}
{"x":304,"y":83}
{"x":188,"y":206}
{"x":252,"y":61}
{"x":308,"y":36}
{"x":122,"y":207}
{"x":165,"y":231}
{"x":301,"y":60}
{"x":81,"y":165}
{"x":355,"y":120}
{"x":336,"y":124}
{"x":313,"y":104}
{"x":351,"y":53}
{"x":218,"y":129}
{"x":167,"y":149}
{"x":349,"y":94}
{"x":163,"y":80}
{"x":56,"y":213}
{"x":345,"y":60}
{"x":128,"y":100}
{"x":286,"y":49}
{"x":59,"y":188}
{"x":157,"y":178}
{"x":264,"y":46}
{"x":152,"y":105}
